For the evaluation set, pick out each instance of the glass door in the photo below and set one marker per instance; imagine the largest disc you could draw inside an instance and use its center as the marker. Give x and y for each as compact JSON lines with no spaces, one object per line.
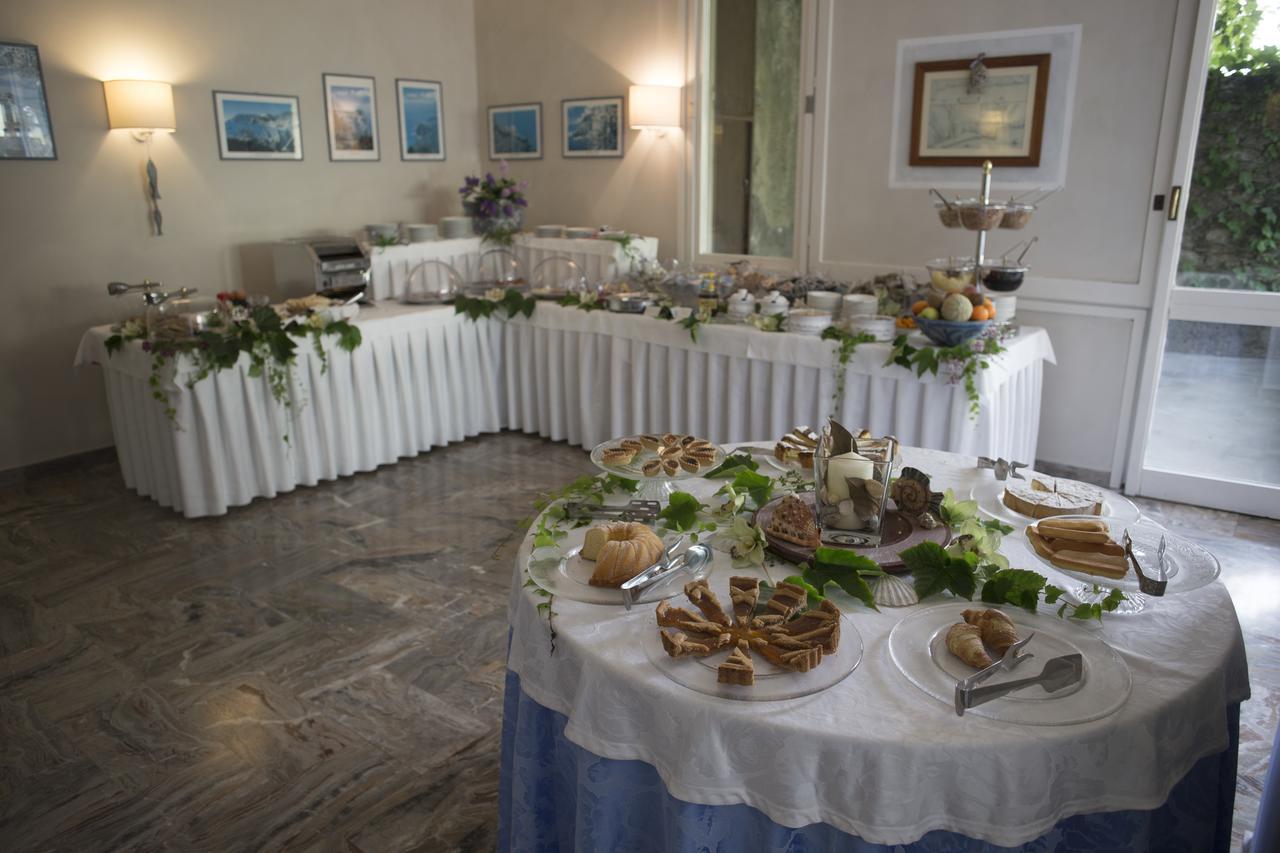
{"x":1211,"y":405}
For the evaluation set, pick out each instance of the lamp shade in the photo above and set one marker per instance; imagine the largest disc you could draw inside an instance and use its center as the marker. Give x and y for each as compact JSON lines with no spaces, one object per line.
{"x":654,"y":106}
{"x":139,"y":105}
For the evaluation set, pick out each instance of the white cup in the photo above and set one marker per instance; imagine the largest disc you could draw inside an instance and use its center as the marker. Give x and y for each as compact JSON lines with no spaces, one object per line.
{"x":860,"y":305}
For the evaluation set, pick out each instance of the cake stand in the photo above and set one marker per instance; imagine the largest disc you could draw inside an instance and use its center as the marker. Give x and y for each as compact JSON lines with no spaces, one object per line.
{"x":657,"y":488}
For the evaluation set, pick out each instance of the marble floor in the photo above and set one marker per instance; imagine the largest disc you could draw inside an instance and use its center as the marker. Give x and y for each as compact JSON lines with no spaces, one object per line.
{"x":324,"y":671}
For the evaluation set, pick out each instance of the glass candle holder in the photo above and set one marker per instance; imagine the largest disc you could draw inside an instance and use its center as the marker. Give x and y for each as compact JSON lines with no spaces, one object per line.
{"x":852,"y":490}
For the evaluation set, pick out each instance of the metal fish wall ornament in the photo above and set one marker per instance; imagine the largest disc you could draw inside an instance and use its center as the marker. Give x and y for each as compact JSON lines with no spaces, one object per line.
{"x":153,"y":188}
{"x":977,"y":75}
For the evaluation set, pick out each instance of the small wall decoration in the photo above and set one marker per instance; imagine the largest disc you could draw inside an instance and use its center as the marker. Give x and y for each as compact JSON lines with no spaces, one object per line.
{"x":257,"y":127}
{"x":26,"y":133}
{"x":421,"y":109}
{"x":965,"y":111}
{"x":515,"y":132}
{"x":351,"y":112}
{"x":592,"y":127}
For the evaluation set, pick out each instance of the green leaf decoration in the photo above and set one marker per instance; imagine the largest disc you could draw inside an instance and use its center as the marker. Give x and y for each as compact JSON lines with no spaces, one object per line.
{"x":732,"y":463}
{"x":937,"y":571}
{"x":846,"y":570}
{"x":681,"y":512}
{"x":755,"y":484}
{"x":955,"y":512}
{"x":1018,"y":587}
{"x":815,"y":595}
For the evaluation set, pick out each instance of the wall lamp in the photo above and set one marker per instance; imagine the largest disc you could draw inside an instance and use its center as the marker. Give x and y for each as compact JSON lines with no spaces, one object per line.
{"x":142,"y":107}
{"x":654,"y":108}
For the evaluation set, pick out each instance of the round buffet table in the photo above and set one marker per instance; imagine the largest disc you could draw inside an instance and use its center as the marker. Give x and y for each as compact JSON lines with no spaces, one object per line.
{"x":601,"y":751}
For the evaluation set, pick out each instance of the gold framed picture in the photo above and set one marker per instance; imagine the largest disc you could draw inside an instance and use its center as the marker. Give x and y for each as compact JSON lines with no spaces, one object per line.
{"x":1002,"y":121}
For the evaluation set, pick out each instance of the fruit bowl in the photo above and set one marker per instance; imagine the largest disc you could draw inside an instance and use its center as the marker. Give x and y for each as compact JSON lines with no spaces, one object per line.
{"x":946,"y":333}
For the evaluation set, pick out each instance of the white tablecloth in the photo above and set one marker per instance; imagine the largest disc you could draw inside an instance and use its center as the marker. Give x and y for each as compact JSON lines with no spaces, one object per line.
{"x":586,"y":377}
{"x":873,"y":755}
{"x":420,"y":379}
{"x":390,"y":267}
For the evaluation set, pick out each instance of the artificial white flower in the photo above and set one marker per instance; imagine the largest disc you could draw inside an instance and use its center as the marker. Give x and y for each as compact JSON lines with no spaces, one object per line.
{"x":744,"y":541}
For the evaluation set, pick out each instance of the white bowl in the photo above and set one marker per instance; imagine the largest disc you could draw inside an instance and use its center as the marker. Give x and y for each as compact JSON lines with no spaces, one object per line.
{"x":422,"y":233}
{"x":859,"y":304}
{"x":808,"y":321}
{"x":386,"y":231}
{"x":823,"y":300}
{"x":883,"y":326}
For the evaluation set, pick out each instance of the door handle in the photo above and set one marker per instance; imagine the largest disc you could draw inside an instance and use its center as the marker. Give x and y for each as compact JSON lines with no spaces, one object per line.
{"x":1175,"y":202}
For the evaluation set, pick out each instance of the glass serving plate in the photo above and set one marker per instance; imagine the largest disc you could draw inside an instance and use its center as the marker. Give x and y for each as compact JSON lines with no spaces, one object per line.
{"x":657,"y":488}
{"x":918,"y":648}
{"x":562,"y":571}
{"x":990,"y":493}
{"x":1187,"y":565}
{"x":772,"y":683}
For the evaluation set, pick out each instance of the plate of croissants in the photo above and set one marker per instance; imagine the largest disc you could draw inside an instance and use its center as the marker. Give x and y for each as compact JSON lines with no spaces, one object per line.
{"x":937,"y":647}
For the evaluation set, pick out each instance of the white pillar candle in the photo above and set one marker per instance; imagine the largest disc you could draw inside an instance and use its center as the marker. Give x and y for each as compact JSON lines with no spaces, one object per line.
{"x":843,"y":467}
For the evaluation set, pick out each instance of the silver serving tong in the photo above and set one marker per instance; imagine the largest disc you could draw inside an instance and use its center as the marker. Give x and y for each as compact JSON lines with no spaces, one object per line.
{"x":1008,"y":661}
{"x":693,"y":559}
{"x":1148,"y":585}
{"x":1002,"y":468}
{"x":633,"y":511}
{"x":1058,"y":673}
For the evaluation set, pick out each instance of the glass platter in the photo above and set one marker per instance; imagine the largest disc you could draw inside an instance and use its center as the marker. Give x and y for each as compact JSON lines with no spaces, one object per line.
{"x":562,"y":571}
{"x":989,"y":494}
{"x":1187,"y":565}
{"x":772,"y":683}
{"x":656,"y":488}
{"x":918,"y":648}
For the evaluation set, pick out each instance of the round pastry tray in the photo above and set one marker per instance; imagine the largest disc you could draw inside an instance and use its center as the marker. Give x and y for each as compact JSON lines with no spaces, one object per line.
{"x":562,"y":571}
{"x":990,"y":493}
{"x":918,"y":648}
{"x":900,"y":532}
{"x":657,"y":487}
{"x":772,"y":683}
{"x":1188,"y":566}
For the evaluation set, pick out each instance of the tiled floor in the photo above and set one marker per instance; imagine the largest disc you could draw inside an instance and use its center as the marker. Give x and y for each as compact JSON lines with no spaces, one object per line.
{"x":324,"y":670}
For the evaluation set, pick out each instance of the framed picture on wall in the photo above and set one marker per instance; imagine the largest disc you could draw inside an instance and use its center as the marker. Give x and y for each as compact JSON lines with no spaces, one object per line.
{"x":26,"y":133}
{"x":954,"y":123}
{"x":257,"y":127}
{"x":591,"y":127}
{"x":515,"y":132}
{"x":420,"y":104}
{"x":351,"y":114}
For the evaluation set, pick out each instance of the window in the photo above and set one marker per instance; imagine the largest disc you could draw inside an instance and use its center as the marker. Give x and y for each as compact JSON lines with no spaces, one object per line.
{"x":750,"y":119}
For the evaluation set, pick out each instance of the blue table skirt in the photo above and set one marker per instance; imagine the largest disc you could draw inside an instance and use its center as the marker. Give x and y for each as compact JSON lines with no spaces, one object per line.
{"x":557,"y":796}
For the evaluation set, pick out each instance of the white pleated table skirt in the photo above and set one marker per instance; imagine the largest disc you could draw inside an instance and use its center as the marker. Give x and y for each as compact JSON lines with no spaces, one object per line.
{"x":425,"y":377}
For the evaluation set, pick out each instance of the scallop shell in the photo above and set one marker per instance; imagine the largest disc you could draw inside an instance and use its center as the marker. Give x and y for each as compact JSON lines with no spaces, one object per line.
{"x":893,"y":591}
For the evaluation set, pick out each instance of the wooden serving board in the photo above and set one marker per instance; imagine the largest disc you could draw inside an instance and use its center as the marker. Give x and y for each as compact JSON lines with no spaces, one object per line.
{"x":900,"y":533}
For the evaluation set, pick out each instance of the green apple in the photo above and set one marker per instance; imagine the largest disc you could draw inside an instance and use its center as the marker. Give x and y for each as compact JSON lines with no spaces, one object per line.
{"x":929,"y":313}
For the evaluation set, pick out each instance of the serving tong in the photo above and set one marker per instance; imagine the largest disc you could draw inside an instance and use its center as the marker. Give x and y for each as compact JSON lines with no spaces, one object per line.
{"x":1002,"y":468}
{"x":633,"y":511}
{"x":1058,"y":673}
{"x":1008,"y":661}
{"x":1146,"y":584}
{"x":668,"y":565}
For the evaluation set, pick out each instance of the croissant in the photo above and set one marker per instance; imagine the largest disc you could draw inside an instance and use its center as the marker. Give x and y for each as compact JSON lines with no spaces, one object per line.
{"x":997,"y":629}
{"x":965,"y":642}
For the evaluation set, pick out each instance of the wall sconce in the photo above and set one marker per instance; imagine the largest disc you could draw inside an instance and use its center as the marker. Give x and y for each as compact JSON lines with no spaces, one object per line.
{"x":142,"y":107}
{"x":654,"y":108}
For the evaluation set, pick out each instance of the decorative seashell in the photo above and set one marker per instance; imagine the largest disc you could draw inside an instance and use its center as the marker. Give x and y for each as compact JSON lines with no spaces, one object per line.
{"x":893,"y":591}
{"x":928,"y":520}
{"x":911,"y":491}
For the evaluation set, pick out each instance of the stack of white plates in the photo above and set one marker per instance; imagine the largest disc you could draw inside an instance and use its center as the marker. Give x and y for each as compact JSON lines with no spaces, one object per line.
{"x":823,"y":300}
{"x":808,"y":321}
{"x":859,"y":305}
{"x":422,"y":233}
{"x":580,"y":233}
{"x":549,"y":231}
{"x":454,"y":227}
{"x":882,"y":326}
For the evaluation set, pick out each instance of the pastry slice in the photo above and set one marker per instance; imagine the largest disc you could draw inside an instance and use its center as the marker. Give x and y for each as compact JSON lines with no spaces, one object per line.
{"x":649,"y":442}
{"x":690,"y":463}
{"x":671,"y":466}
{"x":1108,"y":561}
{"x":787,"y":599}
{"x":797,"y":446}
{"x":618,"y":455}
{"x":737,"y":669}
{"x":783,"y":651}
{"x":679,"y":644}
{"x":669,"y":616}
{"x":699,"y":592}
{"x":632,"y":444}
{"x":1075,"y":530}
{"x":793,"y":522}
{"x":819,"y":626}
{"x":744,"y":594}
{"x":652,"y":468}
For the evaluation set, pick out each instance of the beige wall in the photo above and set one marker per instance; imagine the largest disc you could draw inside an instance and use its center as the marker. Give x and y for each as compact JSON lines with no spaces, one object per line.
{"x":68,"y":227}
{"x":548,"y":51}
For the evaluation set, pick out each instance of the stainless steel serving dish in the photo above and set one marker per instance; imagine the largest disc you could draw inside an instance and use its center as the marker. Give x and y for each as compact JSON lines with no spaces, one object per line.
{"x":629,"y":303}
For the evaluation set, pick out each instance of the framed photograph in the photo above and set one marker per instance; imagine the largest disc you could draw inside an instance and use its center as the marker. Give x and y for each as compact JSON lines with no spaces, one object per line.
{"x":1003,"y":122}
{"x":26,"y":133}
{"x":257,"y":127}
{"x":421,"y":107}
{"x":515,"y":132}
{"x":592,"y":127}
{"x":351,"y":113}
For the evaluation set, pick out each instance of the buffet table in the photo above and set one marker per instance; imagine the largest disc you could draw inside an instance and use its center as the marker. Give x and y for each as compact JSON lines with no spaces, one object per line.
{"x":601,"y":751}
{"x":427,"y":376}
{"x":584,"y":377}
{"x":599,"y":259}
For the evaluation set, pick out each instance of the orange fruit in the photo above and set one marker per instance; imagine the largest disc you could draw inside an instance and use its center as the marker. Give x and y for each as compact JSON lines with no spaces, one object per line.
{"x":980,"y":313}
{"x":906,"y":323}
{"x":990,"y":306}
{"x":919,"y":306}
